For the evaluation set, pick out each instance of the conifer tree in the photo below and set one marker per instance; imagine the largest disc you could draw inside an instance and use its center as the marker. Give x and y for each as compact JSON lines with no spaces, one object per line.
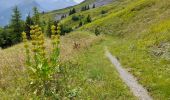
{"x":63,"y":16}
{"x":16,"y":25}
{"x":85,"y":7}
{"x":48,"y":32}
{"x":88,"y":19}
{"x":73,"y":11}
{"x":28,"y":24}
{"x":88,"y":7}
{"x":80,"y":24}
{"x":94,"y":6}
{"x":55,"y":23}
{"x":82,"y":9}
{"x":36,"y":17}
{"x":97,"y":32}
{"x":70,"y":12}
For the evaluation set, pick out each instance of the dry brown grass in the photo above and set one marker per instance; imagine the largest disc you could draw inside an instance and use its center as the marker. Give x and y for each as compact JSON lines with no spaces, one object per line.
{"x":83,"y":39}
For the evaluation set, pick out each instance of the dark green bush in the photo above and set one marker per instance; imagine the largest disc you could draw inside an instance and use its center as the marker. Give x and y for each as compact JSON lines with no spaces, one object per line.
{"x":65,"y":29}
{"x":5,"y":39}
{"x":88,"y":19}
{"x":103,"y":12}
{"x":80,"y":24}
{"x":94,"y":6}
{"x":97,"y":32}
{"x":75,"y":18}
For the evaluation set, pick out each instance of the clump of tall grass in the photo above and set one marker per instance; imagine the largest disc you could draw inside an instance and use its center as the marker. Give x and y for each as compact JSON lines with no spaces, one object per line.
{"x":42,"y":69}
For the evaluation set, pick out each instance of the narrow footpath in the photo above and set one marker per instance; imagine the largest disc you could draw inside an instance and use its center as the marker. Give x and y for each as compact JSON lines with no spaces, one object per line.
{"x":137,"y":89}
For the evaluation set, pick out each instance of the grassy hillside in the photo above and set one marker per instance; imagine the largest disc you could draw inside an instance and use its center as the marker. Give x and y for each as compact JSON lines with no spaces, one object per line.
{"x":54,"y":13}
{"x":141,"y":41}
{"x":94,"y":13}
{"x":136,"y":31}
{"x":140,"y":38}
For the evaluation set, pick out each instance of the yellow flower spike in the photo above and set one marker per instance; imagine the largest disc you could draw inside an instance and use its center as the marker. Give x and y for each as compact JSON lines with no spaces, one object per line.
{"x":32,"y":27}
{"x":38,"y":33}
{"x":53,"y":32}
{"x":33,"y":43}
{"x":58,"y":31}
{"x":41,"y":42}
{"x":53,"y":27}
{"x":23,"y":33}
{"x":53,"y":37}
{"x":59,"y":24}
{"x":36,"y":26}
{"x":33,"y":37}
{"x":43,"y":47}
{"x":54,"y":42}
{"x":58,"y":28}
{"x":39,"y":57}
{"x":34,"y":50}
{"x":26,"y":45}
{"x":39,"y":28}
{"x":41,"y":38}
{"x":24,"y":38}
{"x":32,"y":32}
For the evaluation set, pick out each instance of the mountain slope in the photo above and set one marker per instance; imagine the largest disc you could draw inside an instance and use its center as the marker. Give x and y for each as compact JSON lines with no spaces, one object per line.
{"x":140,"y":31}
{"x":25,"y":6}
{"x":56,"y":4}
{"x":139,"y":37}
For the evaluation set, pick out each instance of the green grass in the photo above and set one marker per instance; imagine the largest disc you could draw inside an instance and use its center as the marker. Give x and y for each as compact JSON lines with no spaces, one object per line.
{"x":100,"y":80}
{"x":146,"y":55}
{"x":152,"y":72}
{"x":140,"y":38}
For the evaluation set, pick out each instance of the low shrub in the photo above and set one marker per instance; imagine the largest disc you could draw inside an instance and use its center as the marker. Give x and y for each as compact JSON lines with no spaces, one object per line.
{"x":97,"y":32}
{"x":75,"y":18}
{"x":103,"y":12}
{"x":65,"y":29}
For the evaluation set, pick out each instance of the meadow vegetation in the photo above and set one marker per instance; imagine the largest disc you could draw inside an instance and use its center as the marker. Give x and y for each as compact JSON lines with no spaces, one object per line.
{"x":141,"y":42}
{"x":135,"y":31}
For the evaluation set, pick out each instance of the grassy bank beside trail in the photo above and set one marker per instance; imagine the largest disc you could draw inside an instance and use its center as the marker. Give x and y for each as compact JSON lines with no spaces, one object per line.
{"x":98,"y":77}
{"x":151,"y":71}
{"x":139,"y":31}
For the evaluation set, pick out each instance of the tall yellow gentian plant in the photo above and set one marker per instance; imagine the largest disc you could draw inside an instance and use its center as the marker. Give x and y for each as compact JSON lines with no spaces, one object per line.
{"x":41,"y":68}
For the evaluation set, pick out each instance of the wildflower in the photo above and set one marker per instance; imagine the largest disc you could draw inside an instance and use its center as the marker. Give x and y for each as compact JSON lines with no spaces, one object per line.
{"x":44,"y":72}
